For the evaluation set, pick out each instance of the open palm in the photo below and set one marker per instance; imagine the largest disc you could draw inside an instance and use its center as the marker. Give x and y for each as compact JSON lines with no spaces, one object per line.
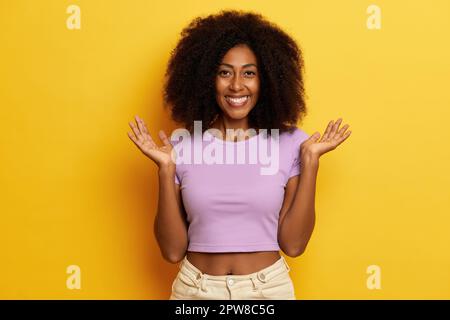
{"x":329,"y":140}
{"x":143,"y":140}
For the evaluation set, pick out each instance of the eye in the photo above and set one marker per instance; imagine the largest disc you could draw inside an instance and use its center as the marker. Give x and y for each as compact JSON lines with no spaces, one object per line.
{"x":247,"y":72}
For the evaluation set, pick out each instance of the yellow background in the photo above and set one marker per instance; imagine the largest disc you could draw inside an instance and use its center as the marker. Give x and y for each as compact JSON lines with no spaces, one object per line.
{"x":76,"y":190}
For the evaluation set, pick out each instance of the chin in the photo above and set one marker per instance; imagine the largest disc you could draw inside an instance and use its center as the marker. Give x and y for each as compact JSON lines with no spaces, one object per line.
{"x":237,"y":114}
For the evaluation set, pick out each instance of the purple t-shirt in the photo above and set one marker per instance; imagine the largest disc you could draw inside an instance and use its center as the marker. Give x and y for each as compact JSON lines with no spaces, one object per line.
{"x":233,"y":206}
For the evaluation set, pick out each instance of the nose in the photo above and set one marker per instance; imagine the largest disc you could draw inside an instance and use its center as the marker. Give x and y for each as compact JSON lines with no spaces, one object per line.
{"x":236,"y":83}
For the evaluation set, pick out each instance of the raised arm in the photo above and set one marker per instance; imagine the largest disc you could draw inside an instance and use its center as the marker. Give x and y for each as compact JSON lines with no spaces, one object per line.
{"x":297,"y":218}
{"x":170,"y":225}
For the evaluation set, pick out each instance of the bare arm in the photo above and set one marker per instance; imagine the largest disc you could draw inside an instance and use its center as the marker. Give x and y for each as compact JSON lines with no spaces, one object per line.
{"x":297,"y":218}
{"x":170,"y":225}
{"x":297,"y":221}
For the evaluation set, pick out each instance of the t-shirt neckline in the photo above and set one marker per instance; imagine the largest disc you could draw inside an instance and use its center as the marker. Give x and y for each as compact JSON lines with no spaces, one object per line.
{"x":221,"y":141}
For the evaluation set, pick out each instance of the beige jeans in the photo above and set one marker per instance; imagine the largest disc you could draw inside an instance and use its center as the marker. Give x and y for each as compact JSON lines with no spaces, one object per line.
{"x":272,"y":283}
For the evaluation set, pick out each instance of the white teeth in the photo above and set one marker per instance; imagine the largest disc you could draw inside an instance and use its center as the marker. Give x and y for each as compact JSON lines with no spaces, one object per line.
{"x":237,"y":101}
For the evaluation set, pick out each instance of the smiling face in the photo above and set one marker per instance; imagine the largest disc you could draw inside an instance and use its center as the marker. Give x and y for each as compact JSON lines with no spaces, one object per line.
{"x":237,"y":83}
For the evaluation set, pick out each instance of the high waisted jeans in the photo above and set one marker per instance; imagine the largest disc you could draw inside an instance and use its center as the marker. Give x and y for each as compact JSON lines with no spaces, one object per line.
{"x":272,"y":282}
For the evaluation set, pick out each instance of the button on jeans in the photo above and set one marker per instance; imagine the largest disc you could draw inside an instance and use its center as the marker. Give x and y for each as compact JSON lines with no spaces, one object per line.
{"x":270,"y":283}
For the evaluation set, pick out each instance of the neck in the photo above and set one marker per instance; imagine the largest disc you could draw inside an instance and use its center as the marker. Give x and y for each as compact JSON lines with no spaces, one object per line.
{"x":223,"y":123}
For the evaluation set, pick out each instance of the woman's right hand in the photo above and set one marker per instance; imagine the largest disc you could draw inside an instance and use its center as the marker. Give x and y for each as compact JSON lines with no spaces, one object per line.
{"x":142,"y":139}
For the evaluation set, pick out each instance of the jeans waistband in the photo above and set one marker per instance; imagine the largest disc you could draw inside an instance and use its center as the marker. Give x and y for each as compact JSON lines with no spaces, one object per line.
{"x":263,"y":275}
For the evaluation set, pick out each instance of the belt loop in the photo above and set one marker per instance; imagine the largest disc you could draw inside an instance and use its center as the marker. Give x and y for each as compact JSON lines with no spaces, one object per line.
{"x":286,"y":264}
{"x":181,"y":263}
{"x":255,"y":286}
{"x":203,"y":279}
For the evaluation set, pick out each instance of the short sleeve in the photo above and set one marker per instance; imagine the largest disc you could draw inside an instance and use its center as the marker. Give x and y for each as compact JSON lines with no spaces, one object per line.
{"x":174,"y":143}
{"x":298,"y":137}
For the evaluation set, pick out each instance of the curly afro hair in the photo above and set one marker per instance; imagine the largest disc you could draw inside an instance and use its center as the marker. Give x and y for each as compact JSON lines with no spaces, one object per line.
{"x":189,"y":88}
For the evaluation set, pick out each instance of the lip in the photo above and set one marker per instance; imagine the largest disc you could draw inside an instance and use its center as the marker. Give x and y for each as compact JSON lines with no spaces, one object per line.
{"x":237,"y":106}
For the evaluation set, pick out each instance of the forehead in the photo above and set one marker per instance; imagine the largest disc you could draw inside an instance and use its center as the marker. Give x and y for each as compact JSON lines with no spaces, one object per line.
{"x":239,"y":55}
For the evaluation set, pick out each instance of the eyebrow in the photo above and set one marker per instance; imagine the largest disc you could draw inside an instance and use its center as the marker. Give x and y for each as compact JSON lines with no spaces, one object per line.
{"x":244,"y":65}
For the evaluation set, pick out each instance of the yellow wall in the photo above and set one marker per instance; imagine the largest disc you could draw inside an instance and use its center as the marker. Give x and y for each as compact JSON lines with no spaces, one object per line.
{"x":76,"y":191}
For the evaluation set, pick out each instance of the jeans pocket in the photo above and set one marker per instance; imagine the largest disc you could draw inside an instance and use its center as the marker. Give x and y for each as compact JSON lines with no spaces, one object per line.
{"x":184,"y":287}
{"x":279,"y":288}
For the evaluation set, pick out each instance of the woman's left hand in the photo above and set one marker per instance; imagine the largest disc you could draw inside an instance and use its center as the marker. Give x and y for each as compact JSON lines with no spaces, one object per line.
{"x":329,"y":140}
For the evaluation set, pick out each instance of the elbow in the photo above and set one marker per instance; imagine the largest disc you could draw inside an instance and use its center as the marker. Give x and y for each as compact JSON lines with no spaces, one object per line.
{"x":174,"y":258}
{"x":294,"y":252}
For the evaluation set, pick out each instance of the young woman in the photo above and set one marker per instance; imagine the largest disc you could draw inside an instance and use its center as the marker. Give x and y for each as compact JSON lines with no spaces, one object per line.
{"x":226,"y":224}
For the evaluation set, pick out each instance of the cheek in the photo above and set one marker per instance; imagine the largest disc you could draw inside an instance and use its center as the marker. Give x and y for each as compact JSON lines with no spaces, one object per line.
{"x":255,"y":91}
{"x":255,"y":86}
{"x":220,"y":85}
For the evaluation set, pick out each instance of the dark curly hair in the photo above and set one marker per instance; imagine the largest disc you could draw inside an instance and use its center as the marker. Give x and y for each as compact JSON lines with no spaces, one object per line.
{"x":189,"y":88}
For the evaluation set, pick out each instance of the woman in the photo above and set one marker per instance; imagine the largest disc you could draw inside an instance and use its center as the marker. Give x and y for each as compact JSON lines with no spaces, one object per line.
{"x":225,"y":225}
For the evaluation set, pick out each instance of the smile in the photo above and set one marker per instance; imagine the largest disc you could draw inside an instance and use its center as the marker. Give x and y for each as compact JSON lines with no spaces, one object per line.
{"x":237,"y":102}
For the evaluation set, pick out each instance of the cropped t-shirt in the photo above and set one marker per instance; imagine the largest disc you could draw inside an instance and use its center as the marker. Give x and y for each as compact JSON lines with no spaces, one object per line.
{"x":232,"y":203}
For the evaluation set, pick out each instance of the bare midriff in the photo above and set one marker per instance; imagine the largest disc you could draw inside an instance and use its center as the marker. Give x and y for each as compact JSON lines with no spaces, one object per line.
{"x":237,"y":263}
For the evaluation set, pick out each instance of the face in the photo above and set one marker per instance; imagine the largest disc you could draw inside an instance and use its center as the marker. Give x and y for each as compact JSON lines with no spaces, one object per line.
{"x":237,"y":83}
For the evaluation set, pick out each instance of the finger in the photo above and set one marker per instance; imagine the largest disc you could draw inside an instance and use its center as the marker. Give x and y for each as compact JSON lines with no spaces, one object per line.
{"x":342,"y":130}
{"x":315,"y":136}
{"x":335,"y":127}
{"x":146,"y":135}
{"x":163,"y":137}
{"x":150,"y":140}
{"x":136,"y":131}
{"x":345,"y":136}
{"x":327,"y":131}
{"x":139,"y":123}
{"x":143,"y":125}
{"x":133,"y":138}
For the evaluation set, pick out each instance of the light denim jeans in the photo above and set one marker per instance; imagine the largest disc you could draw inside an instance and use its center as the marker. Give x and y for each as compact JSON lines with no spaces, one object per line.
{"x":270,"y":283}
